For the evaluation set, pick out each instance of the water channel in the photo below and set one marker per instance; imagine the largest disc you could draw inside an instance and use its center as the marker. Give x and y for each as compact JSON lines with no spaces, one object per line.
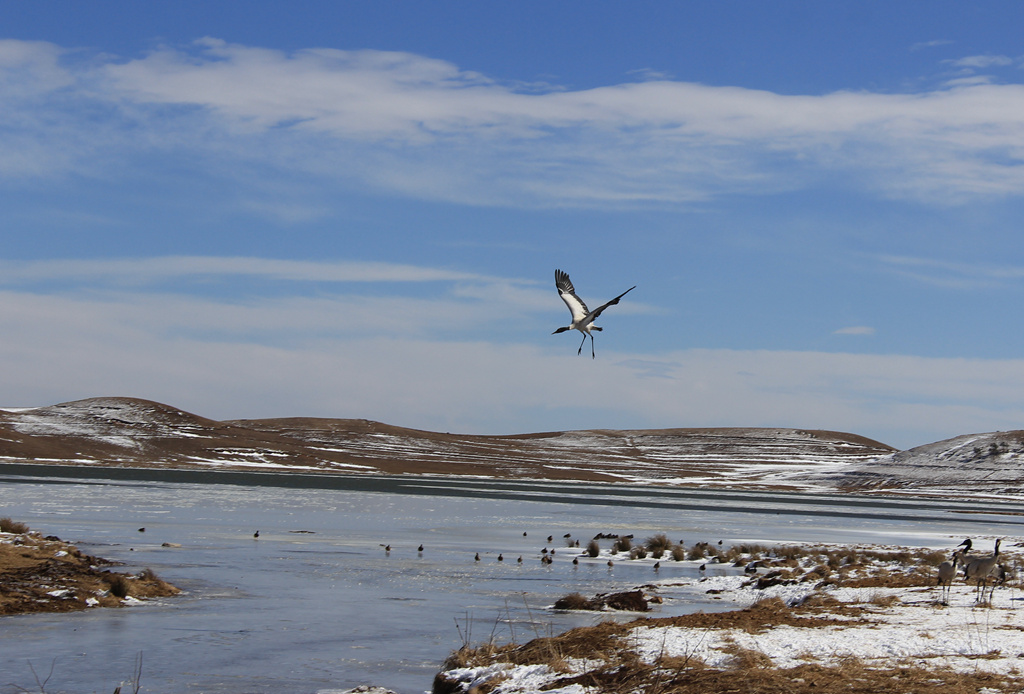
{"x":316,"y":604}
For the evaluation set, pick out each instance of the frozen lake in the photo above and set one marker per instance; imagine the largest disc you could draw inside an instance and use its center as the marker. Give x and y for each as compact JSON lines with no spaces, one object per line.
{"x":316,"y":604}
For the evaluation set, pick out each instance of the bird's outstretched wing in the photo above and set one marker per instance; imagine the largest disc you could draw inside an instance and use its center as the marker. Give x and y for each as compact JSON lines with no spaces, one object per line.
{"x":577,"y":308}
{"x":597,"y":311}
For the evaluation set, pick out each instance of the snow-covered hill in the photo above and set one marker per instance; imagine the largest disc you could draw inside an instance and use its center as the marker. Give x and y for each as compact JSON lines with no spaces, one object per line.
{"x":991,"y":463}
{"x":131,"y":432}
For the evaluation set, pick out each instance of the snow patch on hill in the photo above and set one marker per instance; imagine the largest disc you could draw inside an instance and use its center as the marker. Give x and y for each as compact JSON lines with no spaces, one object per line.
{"x":991,"y":463}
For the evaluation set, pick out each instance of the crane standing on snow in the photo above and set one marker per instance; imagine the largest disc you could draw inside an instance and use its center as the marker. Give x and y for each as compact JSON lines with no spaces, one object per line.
{"x":582,"y":318}
{"x":982,"y":569}
{"x":947,"y":570}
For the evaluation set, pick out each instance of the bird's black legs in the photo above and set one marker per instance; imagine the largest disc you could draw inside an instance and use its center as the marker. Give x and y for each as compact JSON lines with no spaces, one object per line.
{"x":580,"y":350}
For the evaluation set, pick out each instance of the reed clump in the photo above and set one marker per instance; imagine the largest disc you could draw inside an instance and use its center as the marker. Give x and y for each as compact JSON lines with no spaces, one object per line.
{"x":118,"y":585}
{"x":658,"y":545}
{"x":12,"y":526}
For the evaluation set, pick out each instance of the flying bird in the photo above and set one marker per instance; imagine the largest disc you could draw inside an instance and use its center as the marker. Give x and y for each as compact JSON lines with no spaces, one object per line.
{"x":582,"y":317}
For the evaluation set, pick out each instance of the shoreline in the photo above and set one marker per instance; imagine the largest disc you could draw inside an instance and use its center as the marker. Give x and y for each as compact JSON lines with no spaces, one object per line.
{"x":45,"y":574}
{"x":873,"y":623}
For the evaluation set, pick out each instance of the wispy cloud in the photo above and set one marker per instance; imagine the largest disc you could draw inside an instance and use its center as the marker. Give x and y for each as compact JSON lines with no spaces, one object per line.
{"x":956,"y":275}
{"x":269,"y":302}
{"x":930,"y":44}
{"x":855,"y":330}
{"x":158,"y":269}
{"x":428,"y":128}
{"x":31,"y":67}
{"x":981,"y":61}
{"x":649,"y":74}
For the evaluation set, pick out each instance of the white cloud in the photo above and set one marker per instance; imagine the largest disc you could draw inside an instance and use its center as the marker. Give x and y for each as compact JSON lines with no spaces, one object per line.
{"x":31,"y":68}
{"x":426,"y":127}
{"x":342,"y":357}
{"x":981,"y":61}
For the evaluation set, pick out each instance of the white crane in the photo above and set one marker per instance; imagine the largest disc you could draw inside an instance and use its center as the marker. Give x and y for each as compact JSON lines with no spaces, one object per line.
{"x":582,"y":317}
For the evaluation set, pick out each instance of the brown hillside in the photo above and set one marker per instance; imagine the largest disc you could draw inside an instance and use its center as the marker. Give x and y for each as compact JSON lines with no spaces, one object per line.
{"x":131,"y":432}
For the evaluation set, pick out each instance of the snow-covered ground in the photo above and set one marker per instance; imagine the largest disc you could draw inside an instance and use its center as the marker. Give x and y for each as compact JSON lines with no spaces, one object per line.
{"x":961,"y":635}
{"x":878,"y":626}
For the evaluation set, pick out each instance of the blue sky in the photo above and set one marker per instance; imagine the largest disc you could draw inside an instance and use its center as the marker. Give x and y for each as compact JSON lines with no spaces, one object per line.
{"x":356,"y":210}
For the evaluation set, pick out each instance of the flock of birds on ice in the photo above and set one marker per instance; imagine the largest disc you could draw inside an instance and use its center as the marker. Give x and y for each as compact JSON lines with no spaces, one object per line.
{"x":986,"y":571}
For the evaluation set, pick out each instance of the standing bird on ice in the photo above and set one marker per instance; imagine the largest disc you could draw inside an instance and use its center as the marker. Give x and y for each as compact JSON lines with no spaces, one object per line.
{"x":582,"y":317}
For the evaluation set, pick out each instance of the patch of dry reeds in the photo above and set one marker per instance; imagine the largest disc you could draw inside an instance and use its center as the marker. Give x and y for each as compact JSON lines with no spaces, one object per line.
{"x":658,"y":543}
{"x":118,"y":584}
{"x":622,"y":672}
{"x":12,"y":526}
{"x":749,"y":670}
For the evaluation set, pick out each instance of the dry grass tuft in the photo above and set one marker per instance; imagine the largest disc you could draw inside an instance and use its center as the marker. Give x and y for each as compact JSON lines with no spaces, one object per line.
{"x":880,"y":599}
{"x":118,"y":584}
{"x":147,"y":584}
{"x":470,"y":657}
{"x":11,"y":526}
{"x":747,"y":658}
{"x":933,"y":558}
{"x":659,"y":543}
{"x":701,"y":550}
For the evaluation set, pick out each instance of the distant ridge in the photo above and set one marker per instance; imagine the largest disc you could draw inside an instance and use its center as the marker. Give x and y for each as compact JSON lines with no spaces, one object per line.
{"x":131,"y":432}
{"x":990,"y":463}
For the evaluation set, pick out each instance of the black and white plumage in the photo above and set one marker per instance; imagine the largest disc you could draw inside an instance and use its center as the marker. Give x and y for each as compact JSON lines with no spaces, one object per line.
{"x":582,"y":317}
